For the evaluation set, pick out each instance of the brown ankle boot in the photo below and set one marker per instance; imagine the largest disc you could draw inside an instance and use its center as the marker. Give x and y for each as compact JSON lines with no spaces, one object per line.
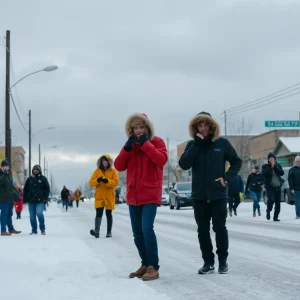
{"x":151,"y":274}
{"x":14,"y":231}
{"x":5,"y":233}
{"x":139,"y":273}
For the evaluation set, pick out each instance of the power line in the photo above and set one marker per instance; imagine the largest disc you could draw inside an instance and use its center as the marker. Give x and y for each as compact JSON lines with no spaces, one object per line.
{"x":12,"y":98}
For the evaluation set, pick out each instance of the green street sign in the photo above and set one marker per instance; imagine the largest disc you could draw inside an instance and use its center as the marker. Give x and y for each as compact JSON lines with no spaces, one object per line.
{"x":292,"y":123}
{"x":282,"y":161}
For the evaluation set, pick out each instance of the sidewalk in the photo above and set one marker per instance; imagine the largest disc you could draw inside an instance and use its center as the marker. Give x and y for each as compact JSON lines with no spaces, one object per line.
{"x":60,"y":266}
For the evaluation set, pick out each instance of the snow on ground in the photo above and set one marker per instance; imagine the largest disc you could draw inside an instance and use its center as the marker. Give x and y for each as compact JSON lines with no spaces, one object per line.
{"x":68,"y":263}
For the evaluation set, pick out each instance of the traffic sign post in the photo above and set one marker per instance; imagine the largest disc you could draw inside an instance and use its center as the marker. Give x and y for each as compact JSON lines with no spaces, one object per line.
{"x":292,"y":123}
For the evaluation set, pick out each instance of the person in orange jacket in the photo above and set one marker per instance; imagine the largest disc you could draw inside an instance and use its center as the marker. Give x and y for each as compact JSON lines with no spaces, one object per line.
{"x":18,"y":204}
{"x":105,"y":178}
{"x":77,"y":195}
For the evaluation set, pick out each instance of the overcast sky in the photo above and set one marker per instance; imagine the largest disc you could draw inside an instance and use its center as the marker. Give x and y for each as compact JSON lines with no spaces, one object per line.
{"x":170,"y":59}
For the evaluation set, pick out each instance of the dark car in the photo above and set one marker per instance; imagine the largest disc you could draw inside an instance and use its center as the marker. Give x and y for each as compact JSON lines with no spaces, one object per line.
{"x":286,"y":195}
{"x":180,"y":196}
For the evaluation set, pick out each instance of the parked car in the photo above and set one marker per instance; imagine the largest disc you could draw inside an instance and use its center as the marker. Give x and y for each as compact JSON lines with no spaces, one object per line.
{"x":286,"y":195}
{"x":180,"y":196}
{"x":165,"y":197}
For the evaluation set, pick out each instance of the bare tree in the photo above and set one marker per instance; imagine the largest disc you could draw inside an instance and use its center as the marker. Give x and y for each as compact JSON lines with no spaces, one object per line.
{"x":173,"y":164}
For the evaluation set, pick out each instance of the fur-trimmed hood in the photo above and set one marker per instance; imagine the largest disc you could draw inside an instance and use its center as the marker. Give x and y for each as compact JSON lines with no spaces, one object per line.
{"x":204,"y":117}
{"x":144,"y":119}
{"x":111,"y":162}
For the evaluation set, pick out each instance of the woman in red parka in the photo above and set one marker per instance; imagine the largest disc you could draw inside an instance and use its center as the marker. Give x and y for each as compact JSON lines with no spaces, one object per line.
{"x":19,"y":204}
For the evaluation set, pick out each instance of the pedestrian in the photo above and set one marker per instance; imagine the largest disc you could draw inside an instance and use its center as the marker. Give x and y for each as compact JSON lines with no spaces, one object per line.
{"x":207,"y":154}
{"x":77,"y":195}
{"x":235,"y":193}
{"x":65,"y":195}
{"x":36,"y":193}
{"x":105,"y":178}
{"x":18,"y":204}
{"x":143,"y":157}
{"x":272,"y":172}
{"x":254,"y":186}
{"x":294,"y":183}
{"x":6,"y":200}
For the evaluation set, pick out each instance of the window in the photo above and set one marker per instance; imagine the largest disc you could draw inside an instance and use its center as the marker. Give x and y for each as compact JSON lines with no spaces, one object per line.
{"x":186,"y":186}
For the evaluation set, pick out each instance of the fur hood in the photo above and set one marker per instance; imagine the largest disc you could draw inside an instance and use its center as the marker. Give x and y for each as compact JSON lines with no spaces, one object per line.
{"x":204,"y":117}
{"x":144,"y":119}
{"x":108,"y":158}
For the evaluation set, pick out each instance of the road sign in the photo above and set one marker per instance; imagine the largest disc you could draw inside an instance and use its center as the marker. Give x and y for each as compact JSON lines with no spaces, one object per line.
{"x":291,"y":123}
{"x":282,"y":160}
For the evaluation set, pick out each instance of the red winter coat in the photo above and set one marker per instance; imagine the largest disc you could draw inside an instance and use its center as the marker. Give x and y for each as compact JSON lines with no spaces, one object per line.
{"x":144,"y":167}
{"x":19,"y":204}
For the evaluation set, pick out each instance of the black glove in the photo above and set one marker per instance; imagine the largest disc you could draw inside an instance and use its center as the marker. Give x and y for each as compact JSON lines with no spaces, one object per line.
{"x":100,"y":179}
{"x":198,"y":141}
{"x":132,"y":139}
{"x":143,"y":139}
{"x":105,"y":180}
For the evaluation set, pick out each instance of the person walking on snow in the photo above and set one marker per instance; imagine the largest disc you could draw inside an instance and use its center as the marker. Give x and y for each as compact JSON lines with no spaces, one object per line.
{"x":272,"y":172}
{"x":235,"y":193}
{"x":77,"y":195}
{"x":65,"y":194}
{"x":254,"y":183}
{"x":143,"y":156}
{"x":294,"y":183}
{"x":18,"y":204}
{"x":36,"y":194}
{"x":6,"y":200}
{"x":207,"y":154}
{"x":105,"y":178}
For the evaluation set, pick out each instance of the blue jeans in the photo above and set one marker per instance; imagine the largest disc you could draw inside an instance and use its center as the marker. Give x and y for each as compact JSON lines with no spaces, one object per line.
{"x":36,"y":211}
{"x":297,"y":202}
{"x":256,"y":196}
{"x":142,"y":223}
{"x":4,"y":207}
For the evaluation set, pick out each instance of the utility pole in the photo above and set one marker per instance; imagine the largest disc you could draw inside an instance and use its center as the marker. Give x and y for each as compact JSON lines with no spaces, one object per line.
{"x":7,"y":102}
{"x":29,"y":132}
{"x":44,"y":166}
{"x":168,"y":164}
{"x":39,"y":154}
{"x":225,"y":121}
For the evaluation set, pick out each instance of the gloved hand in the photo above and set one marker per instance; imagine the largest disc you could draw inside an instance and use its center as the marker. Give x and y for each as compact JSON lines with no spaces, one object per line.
{"x":143,"y":139}
{"x":198,"y":141}
{"x":104,"y":180}
{"x":131,"y":140}
{"x":100,"y":179}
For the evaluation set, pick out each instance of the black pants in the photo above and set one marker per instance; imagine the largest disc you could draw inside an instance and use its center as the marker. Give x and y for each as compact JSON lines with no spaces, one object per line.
{"x":99,"y":212}
{"x":18,"y":215}
{"x":216,"y":210}
{"x":274,"y":196}
{"x":234,"y":201}
{"x":77,"y":203}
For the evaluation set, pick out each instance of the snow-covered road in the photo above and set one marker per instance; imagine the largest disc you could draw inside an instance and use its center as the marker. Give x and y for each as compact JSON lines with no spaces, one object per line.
{"x":264,"y":256}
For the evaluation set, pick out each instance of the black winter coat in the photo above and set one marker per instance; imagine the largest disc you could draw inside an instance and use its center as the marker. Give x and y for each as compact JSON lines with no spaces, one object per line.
{"x":36,"y":189}
{"x":208,"y":164}
{"x":236,"y":186}
{"x":267,"y":172}
{"x":65,"y":193}
{"x":294,"y":178}
{"x":255,"y":182}
{"x":6,"y":187}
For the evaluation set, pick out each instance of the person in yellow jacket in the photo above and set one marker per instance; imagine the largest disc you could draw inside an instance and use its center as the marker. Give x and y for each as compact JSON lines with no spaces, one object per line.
{"x":105,"y":178}
{"x":77,"y":195}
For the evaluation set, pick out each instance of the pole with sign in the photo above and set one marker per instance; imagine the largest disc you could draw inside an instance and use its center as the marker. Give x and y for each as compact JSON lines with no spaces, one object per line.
{"x":286,"y":124}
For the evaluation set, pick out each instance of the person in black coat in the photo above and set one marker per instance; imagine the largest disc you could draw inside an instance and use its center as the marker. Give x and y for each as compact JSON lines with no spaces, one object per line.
{"x":272,"y":172}
{"x":65,"y":194}
{"x":294,"y":183}
{"x":254,"y":185}
{"x":207,"y":154}
{"x":36,"y":194}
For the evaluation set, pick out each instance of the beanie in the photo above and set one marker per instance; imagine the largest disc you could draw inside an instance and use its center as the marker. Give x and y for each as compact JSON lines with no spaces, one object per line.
{"x":271,"y":154}
{"x":205,"y":113}
{"x":4,"y":163}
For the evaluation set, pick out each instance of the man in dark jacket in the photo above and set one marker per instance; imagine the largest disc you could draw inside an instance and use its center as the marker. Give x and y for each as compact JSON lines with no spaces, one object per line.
{"x":294,"y":183}
{"x":272,"y":171}
{"x":6,"y":200}
{"x":36,"y":193}
{"x":65,"y":193}
{"x":235,"y":192}
{"x":207,"y":154}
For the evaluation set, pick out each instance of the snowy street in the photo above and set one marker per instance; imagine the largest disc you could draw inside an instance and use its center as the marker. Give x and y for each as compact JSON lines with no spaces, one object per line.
{"x":68,"y":263}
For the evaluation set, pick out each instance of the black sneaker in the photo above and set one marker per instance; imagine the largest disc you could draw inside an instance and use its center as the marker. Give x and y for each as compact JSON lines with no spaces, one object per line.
{"x":207,"y":268}
{"x":32,"y":233}
{"x":268,"y":215}
{"x":223,"y":267}
{"x":43,"y":232}
{"x":276,"y":220}
{"x":235,"y":213}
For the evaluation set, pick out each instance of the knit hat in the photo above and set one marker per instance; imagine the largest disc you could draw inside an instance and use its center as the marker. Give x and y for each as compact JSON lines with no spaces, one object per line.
{"x":204,"y":113}
{"x":271,"y":154}
{"x":4,"y":163}
{"x":297,"y":158}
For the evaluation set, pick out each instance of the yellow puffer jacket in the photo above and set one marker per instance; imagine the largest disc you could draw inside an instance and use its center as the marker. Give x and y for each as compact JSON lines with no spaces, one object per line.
{"x":77,"y":195}
{"x":105,"y":195}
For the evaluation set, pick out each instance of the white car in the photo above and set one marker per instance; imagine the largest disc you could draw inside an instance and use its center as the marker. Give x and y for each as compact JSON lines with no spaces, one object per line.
{"x":165,"y":197}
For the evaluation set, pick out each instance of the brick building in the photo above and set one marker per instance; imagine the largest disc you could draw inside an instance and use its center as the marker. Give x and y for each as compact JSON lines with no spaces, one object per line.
{"x":18,"y":162}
